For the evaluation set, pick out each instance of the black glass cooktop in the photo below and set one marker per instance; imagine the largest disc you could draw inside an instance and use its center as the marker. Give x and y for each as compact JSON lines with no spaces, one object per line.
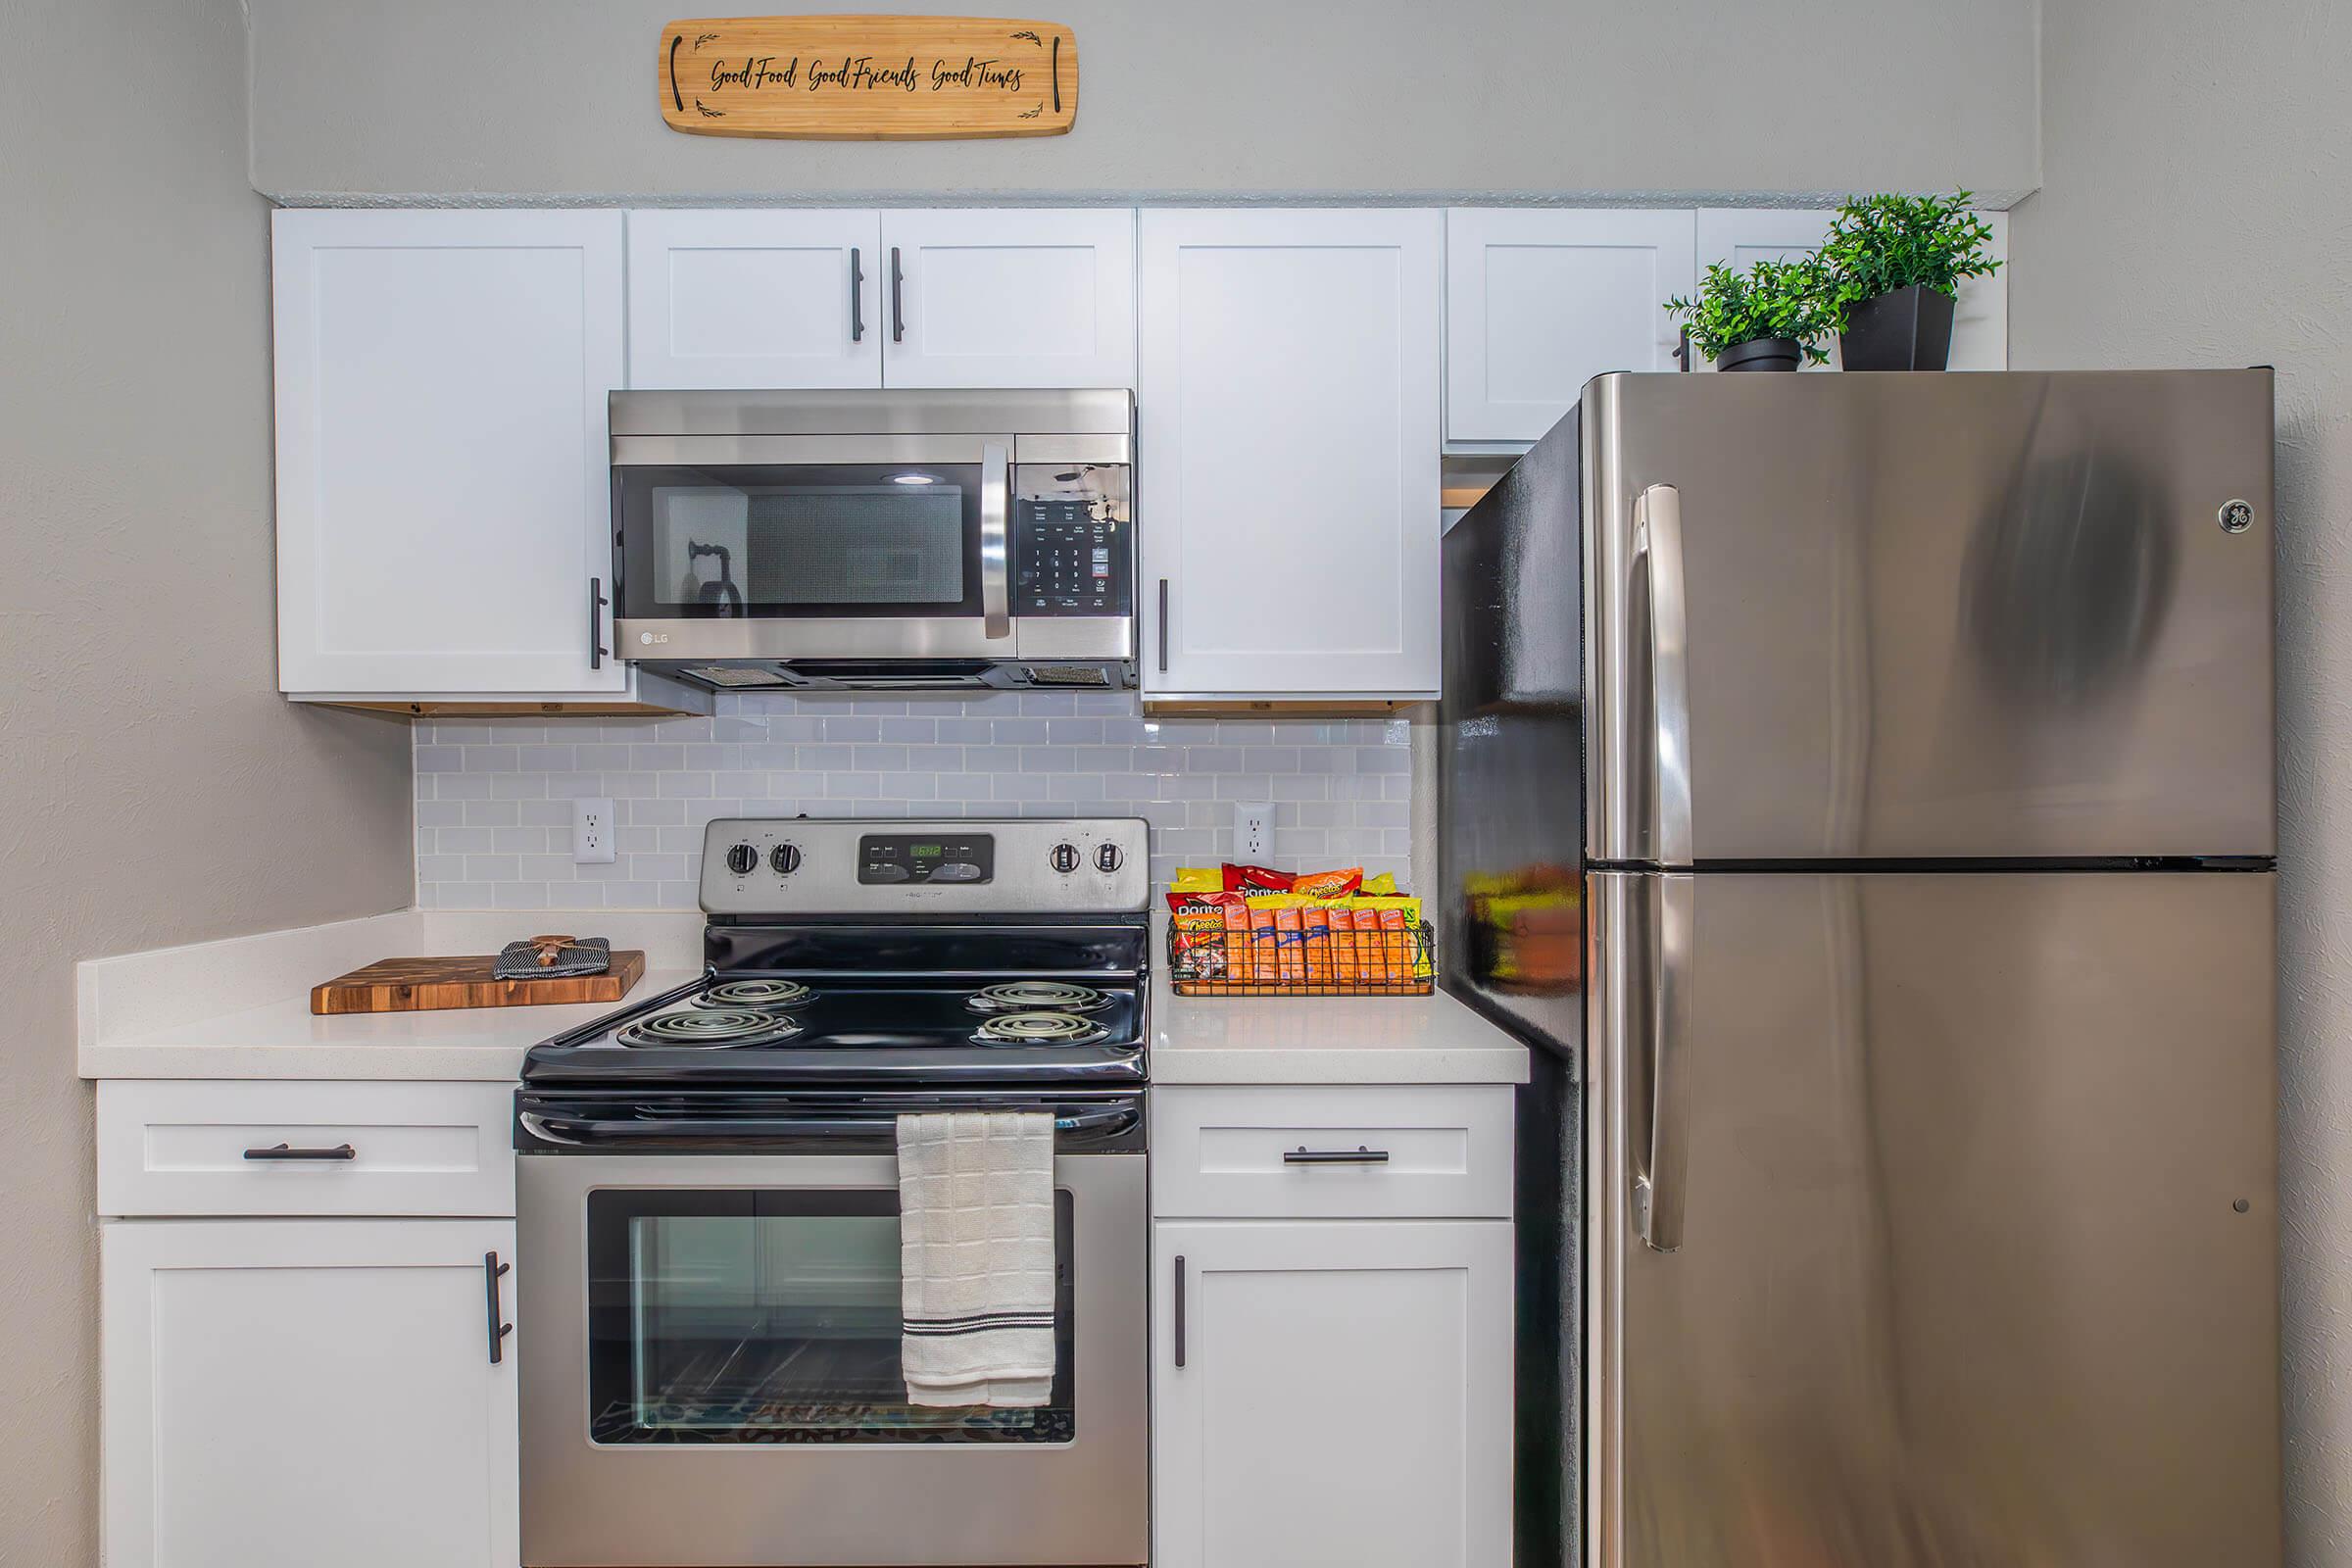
{"x":743,"y":1028}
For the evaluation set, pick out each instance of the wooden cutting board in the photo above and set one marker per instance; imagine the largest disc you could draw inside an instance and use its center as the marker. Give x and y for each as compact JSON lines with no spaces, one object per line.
{"x":423,"y":985}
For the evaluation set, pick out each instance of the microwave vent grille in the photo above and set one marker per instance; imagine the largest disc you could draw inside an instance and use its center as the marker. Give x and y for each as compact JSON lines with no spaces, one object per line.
{"x":738,"y":675}
{"x":1068,"y":676}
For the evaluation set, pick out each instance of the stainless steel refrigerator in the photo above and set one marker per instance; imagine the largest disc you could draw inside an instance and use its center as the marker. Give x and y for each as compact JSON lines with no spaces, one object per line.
{"x":1859,"y":788}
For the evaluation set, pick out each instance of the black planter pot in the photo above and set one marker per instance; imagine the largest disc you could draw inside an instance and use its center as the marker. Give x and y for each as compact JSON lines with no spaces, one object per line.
{"x":1761,"y":354}
{"x":1907,"y":329}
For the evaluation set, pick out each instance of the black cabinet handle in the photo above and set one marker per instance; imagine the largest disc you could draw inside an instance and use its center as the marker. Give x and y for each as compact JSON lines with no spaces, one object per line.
{"x":492,"y":1269}
{"x":898,"y":300}
{"x":1163,"y":625}
{"x":1358,"y":1155}
{"x":857,"y":298}
{"x":596,"y":623}
{"x":289,"y":1152}
{"x":1180,"y":1309}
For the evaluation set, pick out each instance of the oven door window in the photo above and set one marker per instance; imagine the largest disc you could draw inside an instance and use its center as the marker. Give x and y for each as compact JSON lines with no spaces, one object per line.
{"x":773,"y":1316}
{"x":807,"y":542}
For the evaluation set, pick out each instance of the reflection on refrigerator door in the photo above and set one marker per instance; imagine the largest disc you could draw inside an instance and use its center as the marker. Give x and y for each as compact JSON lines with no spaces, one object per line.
{"x":1960,"y":1277}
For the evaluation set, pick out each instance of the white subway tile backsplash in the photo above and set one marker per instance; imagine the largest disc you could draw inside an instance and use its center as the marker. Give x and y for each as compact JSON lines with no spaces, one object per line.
{"x":494,"y":813}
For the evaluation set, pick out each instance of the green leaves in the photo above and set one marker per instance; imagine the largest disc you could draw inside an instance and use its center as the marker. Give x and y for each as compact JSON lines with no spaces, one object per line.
{"x":1771,"y":299}
{"x":1879,"y":244}
{"x":1876,"y":245}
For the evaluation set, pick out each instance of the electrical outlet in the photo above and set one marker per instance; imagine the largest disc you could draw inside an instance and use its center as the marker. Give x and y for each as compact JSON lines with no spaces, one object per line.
{"x":1252,"y":831}
{"x":592,"y":832}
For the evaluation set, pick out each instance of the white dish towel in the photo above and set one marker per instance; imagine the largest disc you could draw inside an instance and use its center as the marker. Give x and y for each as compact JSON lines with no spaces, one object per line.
{"x":976,"y":1258}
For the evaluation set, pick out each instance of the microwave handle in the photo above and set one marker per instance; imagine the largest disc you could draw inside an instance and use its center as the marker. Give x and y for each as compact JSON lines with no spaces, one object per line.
{"x":995,"y":506}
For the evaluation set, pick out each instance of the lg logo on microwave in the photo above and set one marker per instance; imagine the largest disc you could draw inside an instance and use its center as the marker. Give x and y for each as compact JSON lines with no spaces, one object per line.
{"x":648,"y":638}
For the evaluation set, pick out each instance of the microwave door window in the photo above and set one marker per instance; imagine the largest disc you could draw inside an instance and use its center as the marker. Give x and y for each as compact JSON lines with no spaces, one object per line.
{"x":799,"y":543}
{"x":705,"y":535}
{"x":858,"y":545}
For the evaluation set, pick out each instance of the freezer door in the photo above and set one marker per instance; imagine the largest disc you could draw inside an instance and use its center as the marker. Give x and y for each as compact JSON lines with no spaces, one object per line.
{"x":1887,"y":617}
{"x":1934,"y":1221}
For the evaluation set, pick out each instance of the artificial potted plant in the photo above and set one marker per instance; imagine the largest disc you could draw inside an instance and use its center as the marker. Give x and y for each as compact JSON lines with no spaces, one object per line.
{"x":1890,"y":272}
{"x":1765,"y":319}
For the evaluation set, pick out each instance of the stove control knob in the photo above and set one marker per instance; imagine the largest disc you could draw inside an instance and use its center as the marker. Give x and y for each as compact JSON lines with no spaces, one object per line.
{"x":1065,"y":857}
{"x":743,"y":860}
{"x":1108,"y":858}
{"x":785,"y":857}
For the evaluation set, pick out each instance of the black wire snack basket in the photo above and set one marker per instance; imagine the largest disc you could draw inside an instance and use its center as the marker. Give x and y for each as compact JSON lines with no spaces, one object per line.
{"x":1311,"y":959}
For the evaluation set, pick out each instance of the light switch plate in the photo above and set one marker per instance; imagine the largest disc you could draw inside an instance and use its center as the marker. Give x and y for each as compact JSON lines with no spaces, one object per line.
{"x":592,"y":833}
{"x":1252,"y":831}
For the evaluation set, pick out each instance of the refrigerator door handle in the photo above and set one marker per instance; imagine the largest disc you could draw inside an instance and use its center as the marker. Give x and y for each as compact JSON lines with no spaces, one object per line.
{"x":1658,"y":1178}
{"x":1658,"y":547}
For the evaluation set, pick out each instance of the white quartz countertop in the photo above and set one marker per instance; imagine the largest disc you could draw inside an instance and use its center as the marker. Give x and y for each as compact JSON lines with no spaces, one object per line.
{"x":1324,"y":1040}
{"x":241,"y":1008}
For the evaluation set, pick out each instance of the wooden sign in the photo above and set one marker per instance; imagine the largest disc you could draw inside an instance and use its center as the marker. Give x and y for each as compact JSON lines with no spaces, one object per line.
{"x":869,"y":79}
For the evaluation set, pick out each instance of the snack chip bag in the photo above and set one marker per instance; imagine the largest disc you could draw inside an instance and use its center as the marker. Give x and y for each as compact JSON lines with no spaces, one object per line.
{"x":1238,"y":950}
{"x":1263,"y":967}
{"x":1197,"y":926}
{"x":1197,"y":879}
{"x":1256,"y":879}
{"x":1389,"y":929}
{"x":1290,"y":943}
{"x":1347,"y":956}
{"x":1315,"y":918}
{"x":1381,"y":886}
{"x":1329,"y":884}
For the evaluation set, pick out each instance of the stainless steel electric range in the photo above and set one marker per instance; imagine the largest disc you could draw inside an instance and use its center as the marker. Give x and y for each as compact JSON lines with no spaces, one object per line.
{"x":709,"y":1261}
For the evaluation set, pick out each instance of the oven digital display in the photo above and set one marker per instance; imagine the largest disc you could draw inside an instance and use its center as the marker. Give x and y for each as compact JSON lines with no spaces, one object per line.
{"x":884,"y":857}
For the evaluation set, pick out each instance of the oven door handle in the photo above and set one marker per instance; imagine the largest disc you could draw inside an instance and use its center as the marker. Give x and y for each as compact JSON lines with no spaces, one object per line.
{"x":996,"y":508}
{"x":584,"y":1131}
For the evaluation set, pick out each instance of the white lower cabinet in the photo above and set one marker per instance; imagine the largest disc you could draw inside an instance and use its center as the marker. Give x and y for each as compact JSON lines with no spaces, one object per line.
{"x":283,"y":1393}
{"x":1332,"y":1392}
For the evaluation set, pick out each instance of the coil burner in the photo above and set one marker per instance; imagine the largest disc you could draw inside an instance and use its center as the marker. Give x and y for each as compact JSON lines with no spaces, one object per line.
{"x":758,"y":994}
{"x":1040,"y":1029}
{"x":1037,"y":996}
{"x":710,"y":1026}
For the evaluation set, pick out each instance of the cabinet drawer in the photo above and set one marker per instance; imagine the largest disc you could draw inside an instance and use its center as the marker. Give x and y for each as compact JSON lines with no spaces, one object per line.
{"x":1352,"y":1153}
{"x":178,"y":1147}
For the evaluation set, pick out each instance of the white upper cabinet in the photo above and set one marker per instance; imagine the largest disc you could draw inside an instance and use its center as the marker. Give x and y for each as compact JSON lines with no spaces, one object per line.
{"x":443,"y":490}
{"x":1539,"y":300}
{"x":1740,"y":236}
{"x":1008,"y":298}
{"x":282,"y":1393}
{"x":756,"y":299}
{"x":1287,"y":472}
{"x":950,"y":298}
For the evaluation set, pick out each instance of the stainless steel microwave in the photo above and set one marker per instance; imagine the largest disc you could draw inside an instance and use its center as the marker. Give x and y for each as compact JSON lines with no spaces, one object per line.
{"x":876,"y":540}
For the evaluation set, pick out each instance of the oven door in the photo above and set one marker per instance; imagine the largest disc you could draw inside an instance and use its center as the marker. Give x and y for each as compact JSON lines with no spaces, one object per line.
{"x":710,"y":1369}
{"x":841,"y":547}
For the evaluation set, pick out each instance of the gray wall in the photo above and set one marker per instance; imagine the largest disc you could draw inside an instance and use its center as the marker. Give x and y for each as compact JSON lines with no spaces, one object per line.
{"x":2196,"y":210}
{"x":152,"y":787}
{"x":454,"y":99}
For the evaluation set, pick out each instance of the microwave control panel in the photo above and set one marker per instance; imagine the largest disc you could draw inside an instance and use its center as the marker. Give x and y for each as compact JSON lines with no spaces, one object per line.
{"x":1070,"y":559}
